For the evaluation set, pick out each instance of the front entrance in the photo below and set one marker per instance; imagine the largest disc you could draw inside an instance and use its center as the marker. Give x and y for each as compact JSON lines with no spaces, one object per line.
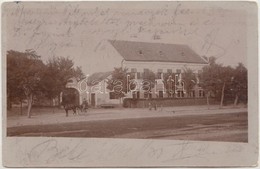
{"x":93,"y":99}
{"x":70,"y":96}
{"x":160,"y":94}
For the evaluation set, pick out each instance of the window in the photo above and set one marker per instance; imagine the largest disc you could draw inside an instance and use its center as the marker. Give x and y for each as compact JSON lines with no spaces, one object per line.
{"x":159,"y":75}
{"x":176,"y":77}
{"x":160,"y":94}
{"x":150,"y":95}
{"x":201,"y":93}
{"x":178,"y":70}
{"x":133,"y":70}
{"x":136,"y":95}
{"x":146,"y":95}
{"x":138,"y":75}
{"x":145,"y":74}
{"x":132,"y":75}
{"x":193,"y":93}
{"x":169,"y":71}
{"x":113,"y":95}
{"x":180,"y":94}
{"x":164,"y":75}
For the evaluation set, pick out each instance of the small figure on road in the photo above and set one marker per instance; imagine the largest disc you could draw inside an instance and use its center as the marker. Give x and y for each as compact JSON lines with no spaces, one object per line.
{"x":150,"y":106}
{"x":84,"y":105}
{"x":155,"y":105}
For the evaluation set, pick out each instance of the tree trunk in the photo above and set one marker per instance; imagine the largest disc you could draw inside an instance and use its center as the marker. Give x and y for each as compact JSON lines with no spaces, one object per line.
{"x":58,"y":100}
{"x":208,"y":94}
{"x":222,"y":95}
{"x":51,"y":102}
{"x":21,"y":106}
{"x":30,"y":99}
{"x":236,"y":100}
{"x":53,"y":105}
{"x":9,"y":102}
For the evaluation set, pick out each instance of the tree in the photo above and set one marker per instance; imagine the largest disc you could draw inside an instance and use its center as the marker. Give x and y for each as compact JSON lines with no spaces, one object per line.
{"x":58,"y":71}
{"x":216,"y":79}
{"x":24,"y":76}
{"x":121,"y":82}
{"x":14,"y":77}
{"x":210,"y":78}
{"x":148,"y":82}
{"x":189,"y":79}
{"x":239,"y":83}
{"x":169,"y":83}
{"x":226,"y":77}
{"x":29,"y":78}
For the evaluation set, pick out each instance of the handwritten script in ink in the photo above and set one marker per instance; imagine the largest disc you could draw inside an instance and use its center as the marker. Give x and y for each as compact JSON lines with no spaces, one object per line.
{"x":73,"y":25}
{"x":52,"y":151}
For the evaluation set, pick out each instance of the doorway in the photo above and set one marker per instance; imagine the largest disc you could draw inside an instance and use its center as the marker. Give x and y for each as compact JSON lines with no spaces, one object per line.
{"x":70,"y":96}
{"x":93,"y":99}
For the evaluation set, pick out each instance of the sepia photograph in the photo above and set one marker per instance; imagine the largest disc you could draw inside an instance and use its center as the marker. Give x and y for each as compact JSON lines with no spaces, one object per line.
{"x":103,"y":84}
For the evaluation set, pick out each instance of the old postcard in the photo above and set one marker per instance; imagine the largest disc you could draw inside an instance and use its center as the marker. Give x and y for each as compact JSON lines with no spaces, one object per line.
{"x":130,"y":84}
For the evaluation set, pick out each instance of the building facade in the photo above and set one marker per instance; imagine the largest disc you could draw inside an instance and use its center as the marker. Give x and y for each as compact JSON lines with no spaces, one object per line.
{"x":167,"y":62}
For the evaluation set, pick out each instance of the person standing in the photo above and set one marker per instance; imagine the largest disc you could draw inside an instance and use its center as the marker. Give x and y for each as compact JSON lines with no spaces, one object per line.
{"x":84,"y":105}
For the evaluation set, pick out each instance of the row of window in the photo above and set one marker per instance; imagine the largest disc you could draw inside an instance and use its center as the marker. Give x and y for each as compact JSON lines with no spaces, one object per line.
{"x":158,"y":75}
{"x":134,"y":70}
{"x":179,"y":94}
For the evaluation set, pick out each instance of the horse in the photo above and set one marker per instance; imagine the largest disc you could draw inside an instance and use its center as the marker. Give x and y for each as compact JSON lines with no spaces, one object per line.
{"x":70,"y":106}
{"x":74,"y":108}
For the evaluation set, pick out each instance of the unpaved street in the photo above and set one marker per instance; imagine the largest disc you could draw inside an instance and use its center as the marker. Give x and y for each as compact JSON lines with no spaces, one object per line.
{"x":225,"y":126}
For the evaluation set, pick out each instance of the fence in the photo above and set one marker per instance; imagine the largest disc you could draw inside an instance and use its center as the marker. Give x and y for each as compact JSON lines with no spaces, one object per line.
{"x":166,"y":102}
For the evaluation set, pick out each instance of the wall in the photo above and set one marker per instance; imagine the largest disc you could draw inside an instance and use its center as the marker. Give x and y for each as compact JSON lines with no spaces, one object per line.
{"x":102,"y":94}
{"x":166,"y":102}
{"x":154,"y":66}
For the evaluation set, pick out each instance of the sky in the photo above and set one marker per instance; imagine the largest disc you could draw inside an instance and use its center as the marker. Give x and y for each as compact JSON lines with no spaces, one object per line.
{"x":81,"y":30}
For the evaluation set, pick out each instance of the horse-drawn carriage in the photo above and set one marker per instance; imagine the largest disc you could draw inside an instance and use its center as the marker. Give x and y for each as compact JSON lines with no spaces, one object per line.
{"x":70,"y":101}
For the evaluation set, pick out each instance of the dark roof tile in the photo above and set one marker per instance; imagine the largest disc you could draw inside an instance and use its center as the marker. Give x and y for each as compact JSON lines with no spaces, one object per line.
{"x":144,"y":51}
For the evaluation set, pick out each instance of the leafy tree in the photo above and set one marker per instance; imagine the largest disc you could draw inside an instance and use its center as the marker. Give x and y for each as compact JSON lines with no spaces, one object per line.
{"x":24,"y":76}
{"x":121,"y":82}
{"x":29,"y":78}
{"x":148,"y":82}
{"x":14,"y":77}
{"x":216,"y":79}
{"x":239,"y":83}
{"x":226,"y":77}
{"x":210,"y":78}
{"x":189,"y":79}
{"x":58,"y":71}
{"x":169,"y":83}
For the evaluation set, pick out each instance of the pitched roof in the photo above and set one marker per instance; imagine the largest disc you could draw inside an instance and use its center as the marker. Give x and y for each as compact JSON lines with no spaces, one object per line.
{"x":97,"y":77}
{"x":160,"y":52}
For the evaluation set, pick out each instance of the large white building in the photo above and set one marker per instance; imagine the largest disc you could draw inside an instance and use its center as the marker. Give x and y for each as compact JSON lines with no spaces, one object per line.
{"x":162,"y":59}
{"x":141,"y":57}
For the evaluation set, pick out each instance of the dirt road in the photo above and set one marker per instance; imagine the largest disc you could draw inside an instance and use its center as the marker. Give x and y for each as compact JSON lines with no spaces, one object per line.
{"x":204,"y":127}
